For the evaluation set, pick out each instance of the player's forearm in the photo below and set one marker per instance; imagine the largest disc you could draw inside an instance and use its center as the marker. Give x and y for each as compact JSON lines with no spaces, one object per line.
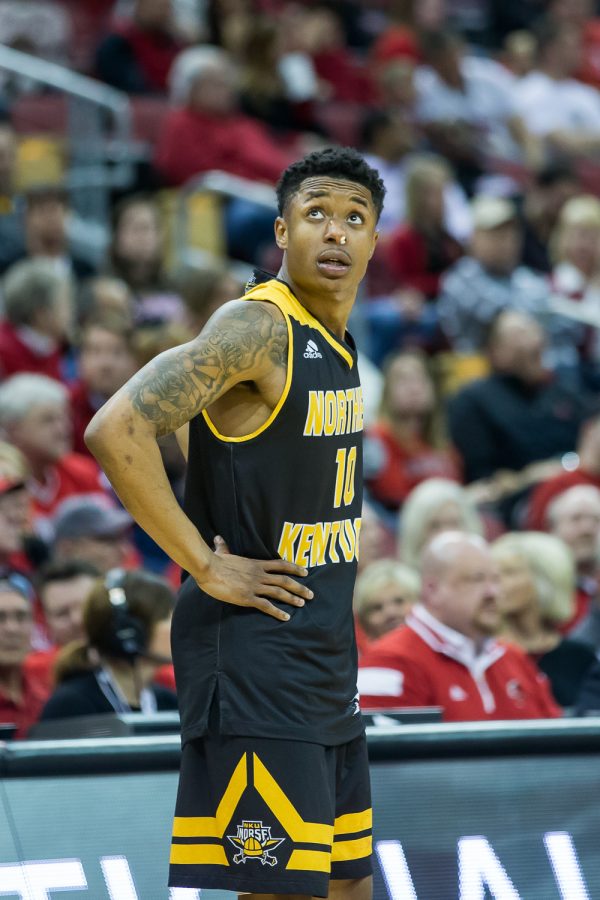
{"x":125,"y":446}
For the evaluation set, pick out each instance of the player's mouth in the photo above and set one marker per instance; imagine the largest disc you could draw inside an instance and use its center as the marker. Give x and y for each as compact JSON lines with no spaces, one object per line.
{"x":334,"y":263}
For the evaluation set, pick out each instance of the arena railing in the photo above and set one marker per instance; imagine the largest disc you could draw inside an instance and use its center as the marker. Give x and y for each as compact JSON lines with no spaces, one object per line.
{"x":99,"y":132}
{"x":194,"y":242}
{"x":506,"y":810}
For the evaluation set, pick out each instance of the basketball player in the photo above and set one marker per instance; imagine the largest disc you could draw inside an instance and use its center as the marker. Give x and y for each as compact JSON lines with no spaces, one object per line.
{"x":273,"y":796}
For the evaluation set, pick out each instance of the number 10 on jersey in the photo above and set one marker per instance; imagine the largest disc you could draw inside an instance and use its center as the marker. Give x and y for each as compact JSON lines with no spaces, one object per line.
{"x":344,"y":478}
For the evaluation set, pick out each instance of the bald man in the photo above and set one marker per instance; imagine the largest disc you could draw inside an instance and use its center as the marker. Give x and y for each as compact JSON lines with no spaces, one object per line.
{"x":446,"y":654}
{"x":518,"y":415}
{"x":574,"y":516}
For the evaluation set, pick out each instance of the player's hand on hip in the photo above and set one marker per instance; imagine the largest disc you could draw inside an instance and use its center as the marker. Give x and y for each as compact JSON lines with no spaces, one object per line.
{"x":254,"y":582}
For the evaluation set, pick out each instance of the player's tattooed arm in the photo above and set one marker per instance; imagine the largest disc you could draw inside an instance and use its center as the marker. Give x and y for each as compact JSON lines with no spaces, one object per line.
{"x":240,"y":344}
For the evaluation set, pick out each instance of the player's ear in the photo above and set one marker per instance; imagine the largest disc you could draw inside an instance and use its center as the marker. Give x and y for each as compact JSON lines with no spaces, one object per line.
{"x":281,"y":233}
{"x":374,"y":244}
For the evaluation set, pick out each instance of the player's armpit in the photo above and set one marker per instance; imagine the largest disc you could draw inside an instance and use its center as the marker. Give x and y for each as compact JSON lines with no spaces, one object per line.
{"x":241,"y":342}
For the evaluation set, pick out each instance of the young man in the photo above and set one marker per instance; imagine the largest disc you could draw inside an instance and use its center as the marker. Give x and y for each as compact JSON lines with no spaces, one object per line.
{"x":274,"y":785}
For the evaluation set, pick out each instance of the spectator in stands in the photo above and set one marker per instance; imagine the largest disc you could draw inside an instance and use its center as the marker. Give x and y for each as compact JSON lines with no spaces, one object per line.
{"x":12,"y":497}
{"x":558,"y":109}
{"x":206,"y":132}
{"x":137,"y":54}
{"x":34,"y":416}
{"x":88,"y":529}
{"x":434,"y":506}
{"x":537,"y":596}
{"x":105,"y":363}
{"x":421,"y":249}
{"x":136,"y":257}
{"x":551,"y":187}
{"x":574,"y":517}
{"x":583,"y":15}
{"x":385,"y":592}
{"x":12,"y":230}
{"x":63,"y":588}
{"x":41,"y":29}
{"x":465,"y":105}
{"x":405,"y":445}
{"x":446,"y":655}
{"x":46,"y":220}
{"x":203,"y":291}
{"x":376,"y":539}
{"x":387,"y":140}
{"x":102,"y":674}
{"x":104,"y":294}
{"x":517,"y":415}
{"x":415,"y":255}
{"x":349,"y":81}
{"x":265,"y":91}
{"x":27,"y":551}
{"x":583,"y":467}
{"x":489,"y":279}
{"x":575,"y":251}
{"x":22,"y":693}
{"x":38,"y":318}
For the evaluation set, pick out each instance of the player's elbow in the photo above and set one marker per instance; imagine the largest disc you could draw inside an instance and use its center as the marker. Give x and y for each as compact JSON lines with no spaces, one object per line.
{"x":96,"y":435}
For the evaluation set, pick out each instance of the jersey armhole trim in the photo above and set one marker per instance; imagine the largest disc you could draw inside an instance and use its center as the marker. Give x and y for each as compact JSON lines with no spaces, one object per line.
{"x":280,"y":402}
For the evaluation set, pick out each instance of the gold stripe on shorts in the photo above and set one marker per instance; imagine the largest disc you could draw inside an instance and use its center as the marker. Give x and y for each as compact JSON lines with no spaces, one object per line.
{"x":346,"y":851}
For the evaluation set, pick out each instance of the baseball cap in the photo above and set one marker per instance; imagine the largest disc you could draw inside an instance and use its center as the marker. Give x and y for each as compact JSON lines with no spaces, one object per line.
{"x":88,"y":516}
{"x":490,"y":212}
{"x":10,"y":484}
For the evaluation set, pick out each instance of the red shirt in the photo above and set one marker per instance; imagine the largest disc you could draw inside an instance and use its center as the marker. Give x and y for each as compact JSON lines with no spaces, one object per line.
{"x":73,"y":474}
{"x":543,"y":494}
{"x":154,"y":52}
{"x":40,"y":663}
{"x":82,"y":412}
{"x":424,"y":663}
{"x":413,"y":263}
{"x":17,"y":356}
{"x":193,"y":142}
{"x":402,"y":467}
{"x":26,"y":712}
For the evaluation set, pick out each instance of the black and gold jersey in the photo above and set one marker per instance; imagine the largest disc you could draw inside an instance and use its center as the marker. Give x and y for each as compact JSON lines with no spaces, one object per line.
{"x":291,"y":489}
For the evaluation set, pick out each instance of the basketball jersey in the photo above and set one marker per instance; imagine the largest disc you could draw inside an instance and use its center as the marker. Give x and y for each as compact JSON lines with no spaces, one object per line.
{"x":291,"y":489}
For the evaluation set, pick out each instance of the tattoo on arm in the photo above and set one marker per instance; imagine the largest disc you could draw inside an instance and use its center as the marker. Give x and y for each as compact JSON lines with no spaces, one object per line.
{"x":172,"y":389}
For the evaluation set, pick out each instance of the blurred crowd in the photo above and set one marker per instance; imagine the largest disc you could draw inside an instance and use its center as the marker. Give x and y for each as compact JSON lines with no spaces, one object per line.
{"x":478,"y":327}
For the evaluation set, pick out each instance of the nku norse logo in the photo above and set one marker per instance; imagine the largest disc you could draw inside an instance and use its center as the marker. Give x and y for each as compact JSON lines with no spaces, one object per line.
{"x":254,"y":842}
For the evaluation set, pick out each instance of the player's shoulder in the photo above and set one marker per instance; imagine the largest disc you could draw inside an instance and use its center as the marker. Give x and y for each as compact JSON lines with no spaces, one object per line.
{"x":243,"y":317}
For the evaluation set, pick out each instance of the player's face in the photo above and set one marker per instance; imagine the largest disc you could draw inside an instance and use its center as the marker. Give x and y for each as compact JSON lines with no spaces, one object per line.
{"x":328,"y":234}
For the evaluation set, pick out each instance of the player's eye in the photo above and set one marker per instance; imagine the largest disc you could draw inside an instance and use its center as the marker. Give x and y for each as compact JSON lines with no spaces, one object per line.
{"x":355,"y":218}
{"x":315,"y":212}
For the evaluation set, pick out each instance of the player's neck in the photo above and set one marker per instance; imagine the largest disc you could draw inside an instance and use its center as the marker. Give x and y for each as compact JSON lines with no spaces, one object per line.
{"x":331,"y":310}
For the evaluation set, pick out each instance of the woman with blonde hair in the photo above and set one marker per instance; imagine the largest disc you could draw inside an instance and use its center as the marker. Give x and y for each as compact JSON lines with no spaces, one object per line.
{"x":435,"y":505}
{"x":384,"y":593}
{"x":575,"y":278}
{"x":537,"y":589}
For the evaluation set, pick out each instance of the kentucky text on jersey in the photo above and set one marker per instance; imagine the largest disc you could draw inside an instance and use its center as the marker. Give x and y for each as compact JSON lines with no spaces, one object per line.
{"x":334,"y":412}
{"x":323,"y":542}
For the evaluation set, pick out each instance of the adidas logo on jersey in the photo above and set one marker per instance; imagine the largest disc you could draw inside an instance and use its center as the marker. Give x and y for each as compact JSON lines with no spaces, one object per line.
{"x":312,"y":351}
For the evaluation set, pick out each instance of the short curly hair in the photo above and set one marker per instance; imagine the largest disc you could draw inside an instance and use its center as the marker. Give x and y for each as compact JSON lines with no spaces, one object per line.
{"x":337,"y":162}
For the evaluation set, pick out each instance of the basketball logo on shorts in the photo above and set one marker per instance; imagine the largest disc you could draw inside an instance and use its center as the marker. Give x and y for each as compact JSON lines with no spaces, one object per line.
{"x":254,"y":842}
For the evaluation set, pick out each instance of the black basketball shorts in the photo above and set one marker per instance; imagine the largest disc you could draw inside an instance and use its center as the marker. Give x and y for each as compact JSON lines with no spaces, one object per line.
{"x":264,"y":816}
